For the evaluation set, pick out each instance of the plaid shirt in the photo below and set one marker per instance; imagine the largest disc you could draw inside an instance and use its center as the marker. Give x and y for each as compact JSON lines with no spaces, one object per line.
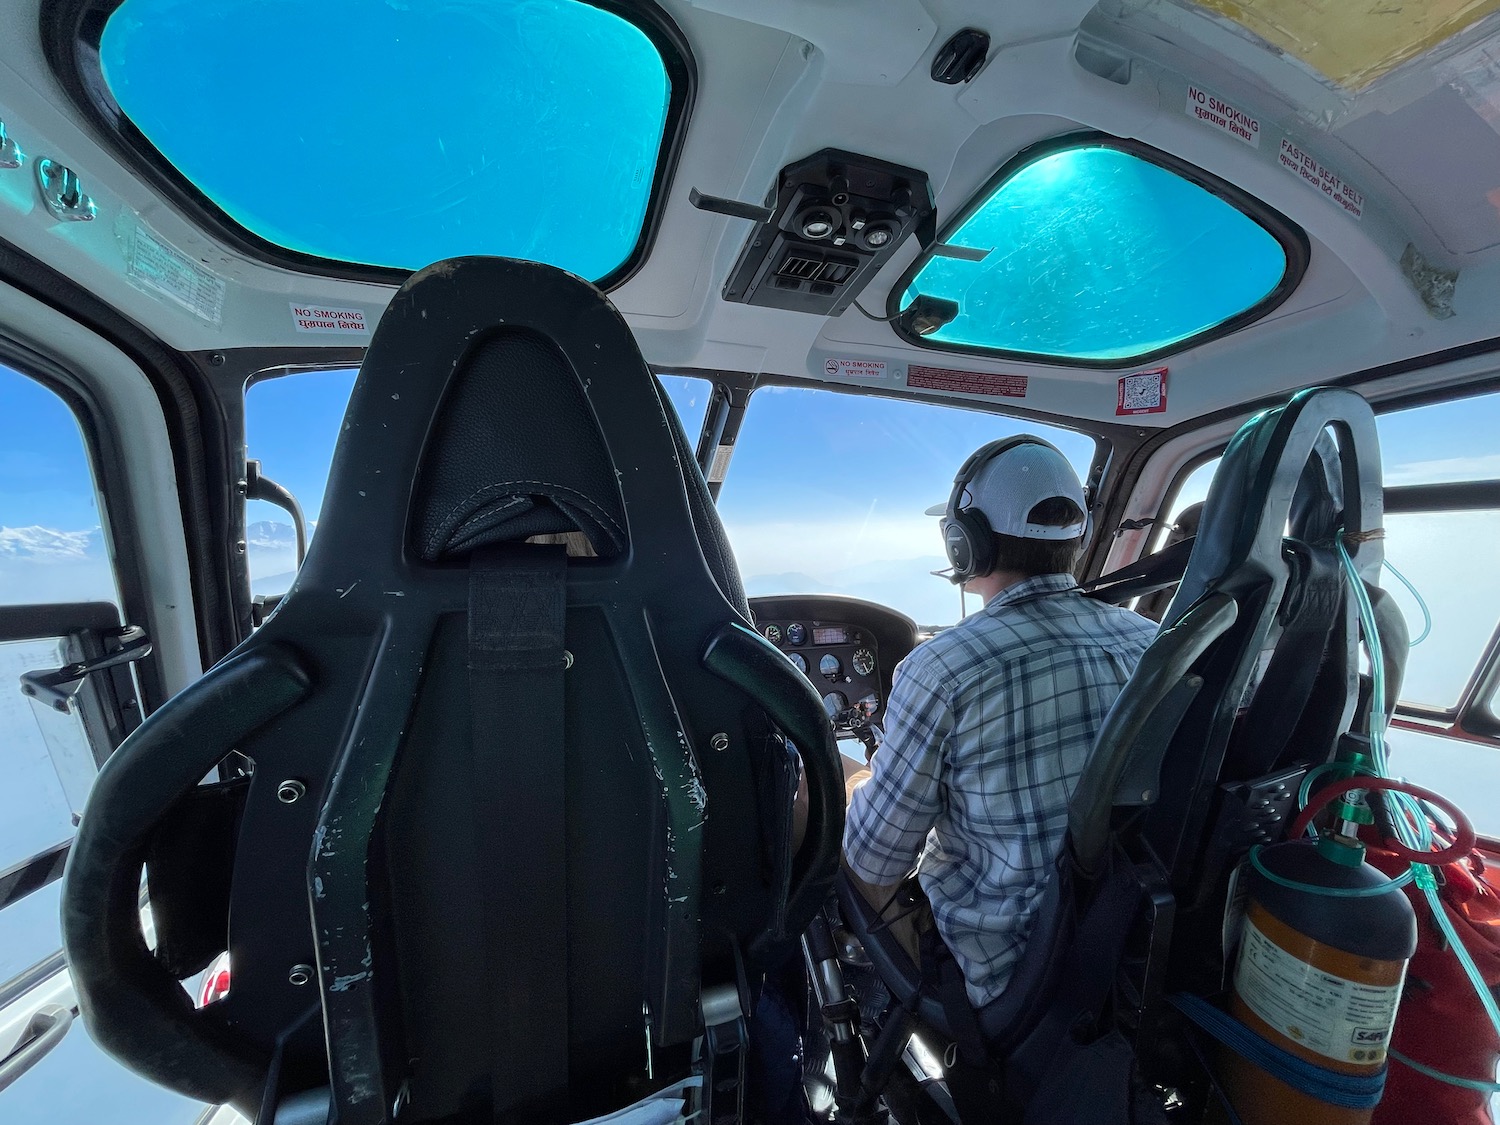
{"x":988,"y":728}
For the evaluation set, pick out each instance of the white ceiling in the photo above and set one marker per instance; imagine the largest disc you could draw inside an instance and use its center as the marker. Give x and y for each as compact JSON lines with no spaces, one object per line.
{"x":779,"y":79}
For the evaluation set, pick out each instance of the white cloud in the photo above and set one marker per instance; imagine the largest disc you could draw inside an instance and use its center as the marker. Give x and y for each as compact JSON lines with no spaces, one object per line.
{"x":887,"y":560}
{"x":49,"y":543}
{"x":1445,"y":470}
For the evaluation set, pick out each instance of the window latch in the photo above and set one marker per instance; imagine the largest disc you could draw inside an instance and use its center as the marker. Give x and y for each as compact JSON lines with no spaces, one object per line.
{"x":56,"y":687}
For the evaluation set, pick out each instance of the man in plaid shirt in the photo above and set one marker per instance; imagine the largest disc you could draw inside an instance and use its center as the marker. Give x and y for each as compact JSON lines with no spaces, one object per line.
{"x":990,"y":723}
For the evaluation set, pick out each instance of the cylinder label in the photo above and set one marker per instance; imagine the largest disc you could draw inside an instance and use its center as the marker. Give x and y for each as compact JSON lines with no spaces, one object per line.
{"x":1338,"y":1018}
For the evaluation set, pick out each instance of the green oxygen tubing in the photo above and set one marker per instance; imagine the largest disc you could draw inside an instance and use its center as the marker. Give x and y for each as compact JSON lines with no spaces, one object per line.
{"x":1413,"y":829}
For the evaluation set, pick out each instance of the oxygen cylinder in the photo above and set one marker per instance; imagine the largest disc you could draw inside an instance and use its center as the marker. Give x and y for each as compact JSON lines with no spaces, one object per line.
{"x":1319,"y":974}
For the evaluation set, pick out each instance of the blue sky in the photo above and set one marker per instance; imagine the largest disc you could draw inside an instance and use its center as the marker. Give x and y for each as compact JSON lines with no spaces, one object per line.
{"x":292,"y":424}
{"x":44,"y":474}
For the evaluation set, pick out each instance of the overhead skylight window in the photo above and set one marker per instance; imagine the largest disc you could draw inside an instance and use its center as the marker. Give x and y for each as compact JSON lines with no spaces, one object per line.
{"x":1095,"y":252}
{"x":393,"y":133}
{"x":1353,"y":44}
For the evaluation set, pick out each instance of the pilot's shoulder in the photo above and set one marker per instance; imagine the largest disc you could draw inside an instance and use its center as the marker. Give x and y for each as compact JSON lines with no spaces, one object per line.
{"x":1125,"y":622}
{"x":946,"y":657}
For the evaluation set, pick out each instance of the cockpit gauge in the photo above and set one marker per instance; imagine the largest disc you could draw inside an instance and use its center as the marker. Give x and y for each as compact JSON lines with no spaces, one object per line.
{"x":830,"y":666}
{"x":863,"y":661}
{"x":870,"y":704}
{"x":799,"y":661}
{"x":772,"y":634}
{"x":834,"y":702}
{"x":796,"y":634}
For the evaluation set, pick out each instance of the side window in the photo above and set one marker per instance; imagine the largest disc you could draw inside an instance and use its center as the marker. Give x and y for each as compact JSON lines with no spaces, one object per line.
{"x":51,"y":534}
{"x":59,"y":606}
{"x":52,"y":555}
{"x":689,"y":396}
{"x":1442,"y":524}
{"x":1193,"y":489}
{"x":291,"y":427}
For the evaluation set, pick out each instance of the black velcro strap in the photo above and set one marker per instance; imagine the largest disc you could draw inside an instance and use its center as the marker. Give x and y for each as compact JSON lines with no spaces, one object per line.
{"x":1087,"y":977}
{"x":517,"y":615}
{"x":1282,"y":696}
{"x":1144,"y":576}
{"x":1098,"y":946}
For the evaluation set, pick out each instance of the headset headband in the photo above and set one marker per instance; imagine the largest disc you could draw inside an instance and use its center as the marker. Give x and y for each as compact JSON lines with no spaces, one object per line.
{"x":976,"y":461}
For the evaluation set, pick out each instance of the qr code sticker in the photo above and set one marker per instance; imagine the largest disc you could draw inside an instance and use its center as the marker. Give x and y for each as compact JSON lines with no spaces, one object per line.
{"x":1143,"y":393}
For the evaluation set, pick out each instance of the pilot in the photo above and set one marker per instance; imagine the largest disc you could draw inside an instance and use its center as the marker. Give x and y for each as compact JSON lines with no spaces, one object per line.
{"x":989,"y":723}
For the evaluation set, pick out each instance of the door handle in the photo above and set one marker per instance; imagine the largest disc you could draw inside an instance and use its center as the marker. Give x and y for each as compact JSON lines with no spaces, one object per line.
{"x":45,"y":1031}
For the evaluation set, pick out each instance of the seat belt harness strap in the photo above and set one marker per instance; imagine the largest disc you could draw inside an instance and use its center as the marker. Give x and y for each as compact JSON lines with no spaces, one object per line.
{"x":517,"y":616}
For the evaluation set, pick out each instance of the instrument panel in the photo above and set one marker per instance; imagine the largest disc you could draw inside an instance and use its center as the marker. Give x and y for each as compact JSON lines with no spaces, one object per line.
{"x":847,"y":648}
{"x":838,"y":657}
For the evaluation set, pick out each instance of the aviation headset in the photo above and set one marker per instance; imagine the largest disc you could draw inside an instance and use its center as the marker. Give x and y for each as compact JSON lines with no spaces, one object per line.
{"x":968,"y":539}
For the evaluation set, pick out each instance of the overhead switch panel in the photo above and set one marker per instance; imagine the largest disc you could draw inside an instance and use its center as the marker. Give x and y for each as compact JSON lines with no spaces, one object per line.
{"x":836,"y":219}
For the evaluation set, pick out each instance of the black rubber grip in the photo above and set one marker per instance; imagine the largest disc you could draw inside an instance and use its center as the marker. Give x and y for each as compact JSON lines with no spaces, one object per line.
{"x":744,"y":658}
{"x":131,"y":1005}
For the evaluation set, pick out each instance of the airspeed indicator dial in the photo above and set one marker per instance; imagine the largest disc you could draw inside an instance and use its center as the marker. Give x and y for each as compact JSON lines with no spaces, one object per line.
{"x":773,"y":634}
{"x":863,"y":661}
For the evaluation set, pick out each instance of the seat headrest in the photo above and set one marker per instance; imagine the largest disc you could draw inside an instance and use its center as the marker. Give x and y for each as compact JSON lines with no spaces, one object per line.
{"x":502,"y":399}
{"x":515,"y":452}
{"x":1282,"y":468}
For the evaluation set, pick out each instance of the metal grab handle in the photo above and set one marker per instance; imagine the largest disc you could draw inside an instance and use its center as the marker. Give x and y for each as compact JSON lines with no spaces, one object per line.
{"x":45,"y":1031}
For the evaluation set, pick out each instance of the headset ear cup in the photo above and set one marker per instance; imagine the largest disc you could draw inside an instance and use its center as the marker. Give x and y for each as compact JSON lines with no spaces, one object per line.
{"x":957,"y":548}
{"x":969,"y":543}
{"x":982,"y":541}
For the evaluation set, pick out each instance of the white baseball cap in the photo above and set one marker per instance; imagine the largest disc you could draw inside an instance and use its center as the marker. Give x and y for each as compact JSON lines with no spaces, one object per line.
{"x":1008,"y":485}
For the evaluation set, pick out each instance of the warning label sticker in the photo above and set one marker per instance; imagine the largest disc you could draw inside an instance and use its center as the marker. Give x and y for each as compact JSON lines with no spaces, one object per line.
{"x":854,"y":368}
{"x":1218,"y":114}
{"x":321,"y":318}
{"x":966,"y":382}
{"x":1315,"y":175}
{"x":1145,"y":392}
{"x":154,"y":265}
{"x":719,"y":467}
{"x":1338,"y":1018}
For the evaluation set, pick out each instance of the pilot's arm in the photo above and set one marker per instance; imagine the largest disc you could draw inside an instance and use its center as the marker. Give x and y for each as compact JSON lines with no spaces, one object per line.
{"x":891,"y":814}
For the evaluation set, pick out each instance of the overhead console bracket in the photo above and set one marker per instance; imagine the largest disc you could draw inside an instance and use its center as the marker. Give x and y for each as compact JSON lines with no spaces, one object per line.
{"x":835,"y":219}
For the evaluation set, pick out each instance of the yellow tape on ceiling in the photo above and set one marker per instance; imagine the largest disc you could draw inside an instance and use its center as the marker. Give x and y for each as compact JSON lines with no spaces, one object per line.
{"x":1354,"y":42}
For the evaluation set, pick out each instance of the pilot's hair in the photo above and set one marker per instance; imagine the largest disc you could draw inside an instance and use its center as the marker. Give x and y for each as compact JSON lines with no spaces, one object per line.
{"x":1032,"y":557}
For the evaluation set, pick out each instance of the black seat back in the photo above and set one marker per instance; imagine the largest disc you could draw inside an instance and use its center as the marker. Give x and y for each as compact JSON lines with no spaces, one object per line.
{"x":1252,"y":680}
{"x":1292,"y":483}
{"x":491,"y":929}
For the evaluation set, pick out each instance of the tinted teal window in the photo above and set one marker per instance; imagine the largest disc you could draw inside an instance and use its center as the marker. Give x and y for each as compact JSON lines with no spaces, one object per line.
{"x":398,"y":132}
{"x":1095,"y":254}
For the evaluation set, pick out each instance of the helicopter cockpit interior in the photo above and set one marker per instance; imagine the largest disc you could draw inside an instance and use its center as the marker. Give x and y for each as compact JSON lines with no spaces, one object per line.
{"x":471,"y":474}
